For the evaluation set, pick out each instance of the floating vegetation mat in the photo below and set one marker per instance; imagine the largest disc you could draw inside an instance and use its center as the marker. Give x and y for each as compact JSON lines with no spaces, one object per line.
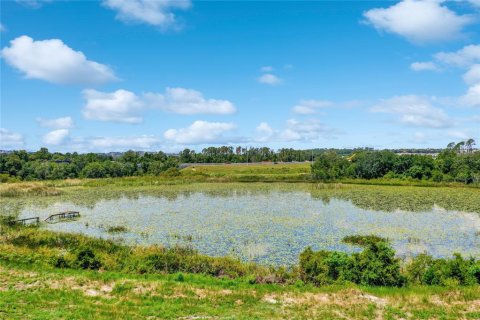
{"x":269,"y":223}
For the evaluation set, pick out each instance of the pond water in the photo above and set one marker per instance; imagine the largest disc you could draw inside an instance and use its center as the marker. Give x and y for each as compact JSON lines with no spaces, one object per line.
{"x":272,"y":224}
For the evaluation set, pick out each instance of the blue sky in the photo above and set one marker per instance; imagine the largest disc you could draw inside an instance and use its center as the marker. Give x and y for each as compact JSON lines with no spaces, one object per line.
{"x":164,"y":75}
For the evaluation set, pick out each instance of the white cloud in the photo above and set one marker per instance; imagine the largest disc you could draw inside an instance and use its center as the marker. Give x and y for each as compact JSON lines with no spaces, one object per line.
{"x":118,"y":106}
{"x":126,"y":106}
{"x":264,"y":132}
{"x":472,"y":76}
{"x":108,"y":144}
{"x":59,"y":123}
{"x":424,"y":66}
{"x":419,"y":21}
{"x":187,"y":101}
{"x":414,"y":111}
{"x":295,"y":130}
{"x":467,"y":58}
{"x":269,"y":79}
{"x":135,"y":142}
{"x":10,"y":139}
{"x":458,"y":134}
{"x":53,"y":61}
{"x":311,"y":106}
{"x":309,"y":130}
{"x":266,"y":69}
{"x":56,"y":137}
{"x":420,"y":137}
{"x":2,"y":27}
{"x":33,"y":4}
{"x":158,"y":13}
{"x":464,"y":57}
{"x":472,"y":97}
{"x":200,"y":132}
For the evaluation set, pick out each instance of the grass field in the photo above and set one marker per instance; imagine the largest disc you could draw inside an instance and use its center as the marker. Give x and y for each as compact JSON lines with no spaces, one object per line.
{"x":30,"y":293}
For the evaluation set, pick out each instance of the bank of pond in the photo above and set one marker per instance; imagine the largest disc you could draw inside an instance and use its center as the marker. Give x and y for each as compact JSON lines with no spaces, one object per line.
{"x":375,"y":265}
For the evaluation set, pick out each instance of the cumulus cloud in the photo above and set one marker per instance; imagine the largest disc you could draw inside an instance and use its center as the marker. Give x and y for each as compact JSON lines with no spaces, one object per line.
{"x":53,"y":61}
{"x":472,"y":76}
{"x":414,"y":111}
{"x":156,"y":13}
{"x":10,"y":139}
{"x":458,"y":134}
{"x":310,"y":106}
{"x":58,"y":123}
{"x":424,"y":66}
{"x":309,"y":130}
{"x":56,"y":137}
{"x":295,"y":130}
{"x":33,"y":4}
{"x":269,"y":79}
{"x":118,"y":106}
{"x":187,"y":101}
{"x":472,"y":97}
{"x":467,"y":58}
{"x":464,"y":57}
{"x":142,"y":142}
{"x":266,"y":69}
{"x":419,"y":21}
{"x":420,"y":137}
{"x":264,"y":132}
{"x":200,"y":132}
{"x":126,"y":106}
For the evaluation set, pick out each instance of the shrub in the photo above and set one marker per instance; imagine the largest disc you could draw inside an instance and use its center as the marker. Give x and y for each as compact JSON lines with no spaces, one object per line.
{"x":460,"y":270}
{"x":376,"y":265}
{"x":363,"y":240}
{"x":323,"y":267}
{"x":86,"y":260}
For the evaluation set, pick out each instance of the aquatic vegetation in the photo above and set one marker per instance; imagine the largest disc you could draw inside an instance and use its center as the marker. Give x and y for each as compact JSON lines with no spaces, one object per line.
{"x":116,"y":229}
{"x":268,"y":223}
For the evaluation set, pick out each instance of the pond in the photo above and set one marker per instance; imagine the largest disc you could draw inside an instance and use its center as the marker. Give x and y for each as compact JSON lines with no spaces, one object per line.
{"x":270,"y":223}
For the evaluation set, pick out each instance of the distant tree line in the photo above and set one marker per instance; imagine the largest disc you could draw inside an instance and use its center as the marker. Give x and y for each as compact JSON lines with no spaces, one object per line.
{"x":43,"y":165}
{"x":458,"y":162}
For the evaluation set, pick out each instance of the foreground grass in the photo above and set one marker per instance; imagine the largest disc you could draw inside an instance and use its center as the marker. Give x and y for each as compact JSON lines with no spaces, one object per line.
{"x":27,"y":292}
{"x":134,"y":282}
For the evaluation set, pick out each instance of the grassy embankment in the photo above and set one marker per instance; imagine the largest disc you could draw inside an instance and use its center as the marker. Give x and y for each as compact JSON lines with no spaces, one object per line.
{"x":42,"y":276}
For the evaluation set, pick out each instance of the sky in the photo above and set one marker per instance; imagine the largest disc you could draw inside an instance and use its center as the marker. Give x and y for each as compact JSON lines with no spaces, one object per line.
{"x":114,"y":75}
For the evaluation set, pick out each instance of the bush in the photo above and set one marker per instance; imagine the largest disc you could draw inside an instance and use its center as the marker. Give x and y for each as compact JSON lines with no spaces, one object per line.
{"x":323,"y":267}
{"x":376,"y":265}
{"x":86,"y":260}
{"x":363,"y":240}
{"x":444,"y":272}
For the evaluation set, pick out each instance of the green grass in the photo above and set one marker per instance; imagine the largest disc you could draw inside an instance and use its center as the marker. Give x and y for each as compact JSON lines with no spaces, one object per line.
{"x":27,"y":292}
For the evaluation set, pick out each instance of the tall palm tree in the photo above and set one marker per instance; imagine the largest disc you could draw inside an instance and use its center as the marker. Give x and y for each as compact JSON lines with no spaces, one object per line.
{"x":469,"y":145}
{"x":458,"y":147}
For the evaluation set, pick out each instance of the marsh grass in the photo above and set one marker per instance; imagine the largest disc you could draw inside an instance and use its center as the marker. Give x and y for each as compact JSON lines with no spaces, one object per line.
{"x":116,"y":229}
{"x":27,"y":189}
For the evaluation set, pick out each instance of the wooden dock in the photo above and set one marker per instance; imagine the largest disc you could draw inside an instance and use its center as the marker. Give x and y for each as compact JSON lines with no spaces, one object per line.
{"x":66,"y":215}
{"x":26,"y":221}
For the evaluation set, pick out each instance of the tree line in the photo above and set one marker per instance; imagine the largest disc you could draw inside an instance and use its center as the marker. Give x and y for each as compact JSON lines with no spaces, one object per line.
{"x":457,"y":162}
